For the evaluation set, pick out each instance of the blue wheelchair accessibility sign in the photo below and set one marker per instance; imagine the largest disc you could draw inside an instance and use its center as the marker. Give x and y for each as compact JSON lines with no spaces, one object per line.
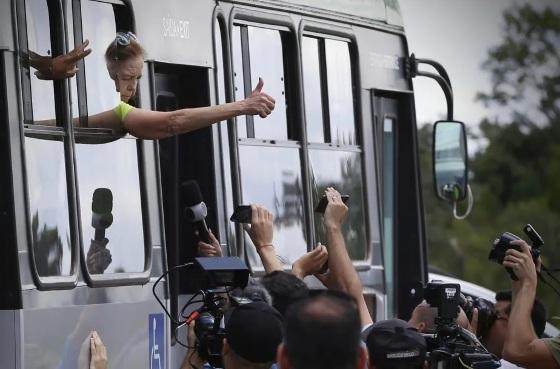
{"x":156,"y":345}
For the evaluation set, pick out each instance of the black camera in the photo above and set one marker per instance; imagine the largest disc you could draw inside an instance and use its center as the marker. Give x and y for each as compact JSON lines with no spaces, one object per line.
{"x":486,"y":313}
{"x":453,"y":347}
{"x":502,"y":244}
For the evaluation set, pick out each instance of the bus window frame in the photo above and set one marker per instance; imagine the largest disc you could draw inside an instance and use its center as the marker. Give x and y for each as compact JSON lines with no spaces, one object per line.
{"x":319,"y":30}
{"x":71,"y":136}
{"x":62,"y":111}
{"x":121,"y":278}
{"x":282,"y":23}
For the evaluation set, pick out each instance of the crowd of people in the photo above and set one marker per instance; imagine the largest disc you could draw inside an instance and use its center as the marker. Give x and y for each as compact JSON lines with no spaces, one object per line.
{"x":291,"y":326}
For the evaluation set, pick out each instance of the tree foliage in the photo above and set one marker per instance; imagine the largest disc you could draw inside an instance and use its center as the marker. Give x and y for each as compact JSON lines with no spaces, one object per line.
{"x":516,"y":177}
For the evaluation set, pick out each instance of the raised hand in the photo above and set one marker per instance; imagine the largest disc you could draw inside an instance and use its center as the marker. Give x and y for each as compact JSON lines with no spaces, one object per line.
{"x":311,"y":262}
{"x":336,"y":209}
{"x":259,"y":102}
{"x":98,"y":352}
{"x":60,"y":67}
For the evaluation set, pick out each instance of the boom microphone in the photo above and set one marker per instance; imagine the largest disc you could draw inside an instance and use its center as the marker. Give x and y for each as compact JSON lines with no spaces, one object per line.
{"x":195,"y":210}
{"x":101,"y":207}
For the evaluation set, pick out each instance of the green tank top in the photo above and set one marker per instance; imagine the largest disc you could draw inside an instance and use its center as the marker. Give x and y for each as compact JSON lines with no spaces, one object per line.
{"x":122,"y":110}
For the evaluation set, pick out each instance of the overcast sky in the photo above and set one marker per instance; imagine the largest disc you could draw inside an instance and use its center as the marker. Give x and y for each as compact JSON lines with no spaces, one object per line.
{"x":458,"y":34}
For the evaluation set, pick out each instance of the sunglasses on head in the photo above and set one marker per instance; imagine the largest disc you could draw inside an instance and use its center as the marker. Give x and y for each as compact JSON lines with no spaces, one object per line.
{"x":123,"y":38}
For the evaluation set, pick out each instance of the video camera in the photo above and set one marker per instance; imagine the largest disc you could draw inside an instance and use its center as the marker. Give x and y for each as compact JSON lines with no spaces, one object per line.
{"x":502,"y":244}
{"x":215,"y":278}
{"x":453,"y":347}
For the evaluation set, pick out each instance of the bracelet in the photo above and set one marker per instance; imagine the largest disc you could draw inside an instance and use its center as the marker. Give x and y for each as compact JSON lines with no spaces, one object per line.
{"x":264,"y":245}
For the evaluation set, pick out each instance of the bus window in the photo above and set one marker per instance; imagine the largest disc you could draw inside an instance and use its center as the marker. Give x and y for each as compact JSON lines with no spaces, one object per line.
{"x":39,"y":44}
{"x":99,"y":27}
{"x":271,"y":176}
{"x":270,"y":168}
{"x":113,"y":166}
{"x":334,"y":154}
{"x":45,"y":162}
{"x":312,"y":89}
{"x":48,"y":206}
{"x":341,"y":169}
{"x":267,"y":65}
{"x":110,"y":164}
{"x":341,"y":102}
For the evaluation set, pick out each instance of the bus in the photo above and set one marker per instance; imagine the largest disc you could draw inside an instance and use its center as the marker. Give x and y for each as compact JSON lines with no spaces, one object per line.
{"x":341,"y":74}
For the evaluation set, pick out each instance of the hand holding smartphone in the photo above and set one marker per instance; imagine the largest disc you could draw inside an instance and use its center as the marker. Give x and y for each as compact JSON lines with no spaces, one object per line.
{"x":242,"y":214}
{"x":322,"y":205}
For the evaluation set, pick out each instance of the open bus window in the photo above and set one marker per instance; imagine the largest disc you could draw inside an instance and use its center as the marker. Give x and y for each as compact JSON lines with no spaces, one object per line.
{"x":48,"y":206}
{"x":111,"y":166}
{"x":277,"y":186}
{"x":343,"y":171}
{"x":39,"y":46}
{"x":269,"y":66}
{"x":99,"y":27}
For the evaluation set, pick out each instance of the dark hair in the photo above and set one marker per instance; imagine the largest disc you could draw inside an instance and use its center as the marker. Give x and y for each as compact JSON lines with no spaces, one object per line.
{"x":285,"y":289}
{"x":323,"y":332}
{"x":538,"y":312}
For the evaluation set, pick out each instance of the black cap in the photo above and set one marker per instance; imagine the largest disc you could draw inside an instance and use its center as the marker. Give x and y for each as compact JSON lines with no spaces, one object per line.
{"x":191,"y":193}
{"x":394,"y":341}
{"x":254,"y":331}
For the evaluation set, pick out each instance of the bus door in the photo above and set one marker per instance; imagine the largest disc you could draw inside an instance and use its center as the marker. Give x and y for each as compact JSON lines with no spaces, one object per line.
{"x":395,"y":131}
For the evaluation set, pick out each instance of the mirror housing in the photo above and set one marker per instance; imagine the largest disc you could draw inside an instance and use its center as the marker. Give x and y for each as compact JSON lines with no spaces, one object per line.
{"x":449,"y":160}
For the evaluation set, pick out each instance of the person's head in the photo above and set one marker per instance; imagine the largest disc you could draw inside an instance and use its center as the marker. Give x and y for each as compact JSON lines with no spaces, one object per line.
{"x":125,"y":57}
{"x":285,"y":289}
{"x":423,"y":317}
{"x":494,"y":339}
{"x":253,"y":292}
{"x":322,"y":332}
{"x":395,"y":344}
{"x":253,"y":333}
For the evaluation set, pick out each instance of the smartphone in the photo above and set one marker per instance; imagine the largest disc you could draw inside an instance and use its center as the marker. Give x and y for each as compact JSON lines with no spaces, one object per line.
{"x":322,"y":205}
{"x":242,"y":214}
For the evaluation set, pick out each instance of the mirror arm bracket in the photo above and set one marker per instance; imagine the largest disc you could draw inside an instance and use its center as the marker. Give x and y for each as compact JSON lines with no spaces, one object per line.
{"x":442,"y":78}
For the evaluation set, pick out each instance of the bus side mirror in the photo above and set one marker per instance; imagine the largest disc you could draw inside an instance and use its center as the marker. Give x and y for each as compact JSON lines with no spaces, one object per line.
{"x":450,"y":160}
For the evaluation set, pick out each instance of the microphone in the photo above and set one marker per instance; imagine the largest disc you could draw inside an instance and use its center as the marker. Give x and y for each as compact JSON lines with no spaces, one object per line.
{"x":101,"y":207}
{"x":195,"y":210}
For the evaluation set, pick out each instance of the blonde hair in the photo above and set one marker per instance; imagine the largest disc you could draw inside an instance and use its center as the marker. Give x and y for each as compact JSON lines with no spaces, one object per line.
{"x":117,"y":53}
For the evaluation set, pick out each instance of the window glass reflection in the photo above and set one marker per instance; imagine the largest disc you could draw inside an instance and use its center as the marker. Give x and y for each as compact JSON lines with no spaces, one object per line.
{"x":238,"y":79}
{"x":99,"y":27}
{"x":267,"y":62}
{"x":48,"y":206}
{"x":341,"y":102}
{"x":277,"y":186}
{"x":312,"y":90}
{"x":112,"y":166}
{"x":343,"y":171}
{"x":39,"y":44}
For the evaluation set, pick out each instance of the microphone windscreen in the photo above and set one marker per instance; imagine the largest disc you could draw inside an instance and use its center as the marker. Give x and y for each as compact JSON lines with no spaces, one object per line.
{"x":191,"y":193}
{"x":102,"y":201}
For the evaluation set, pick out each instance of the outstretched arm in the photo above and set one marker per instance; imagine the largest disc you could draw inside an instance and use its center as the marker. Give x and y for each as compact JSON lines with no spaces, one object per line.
{"x":155,"y":125}
{"x":342,"y":274}
{"x":522,"y":346}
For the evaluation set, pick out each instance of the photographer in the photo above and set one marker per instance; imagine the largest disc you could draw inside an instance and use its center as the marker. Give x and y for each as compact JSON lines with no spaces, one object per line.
{"x":522,"y":346}
{"x":253,"y":333}
{"x":395,"y":344}
{"x":322,"y":332}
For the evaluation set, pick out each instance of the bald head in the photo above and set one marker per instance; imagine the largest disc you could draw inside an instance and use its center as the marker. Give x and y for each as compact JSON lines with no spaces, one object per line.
{"x":423,"y":317}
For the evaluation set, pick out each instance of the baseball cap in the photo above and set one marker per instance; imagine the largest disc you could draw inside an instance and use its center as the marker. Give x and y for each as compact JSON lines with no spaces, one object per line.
{"x":394,"y":342}
{"x":254,"y":331}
